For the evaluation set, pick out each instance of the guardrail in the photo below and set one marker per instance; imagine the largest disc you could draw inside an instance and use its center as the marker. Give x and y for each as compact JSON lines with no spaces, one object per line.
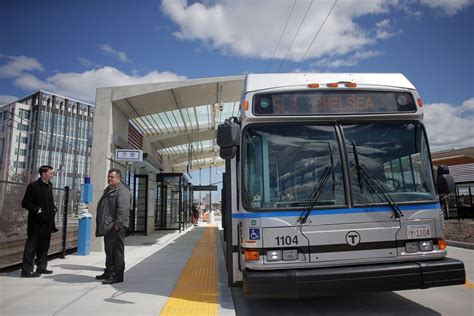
{"x":13,"y":222}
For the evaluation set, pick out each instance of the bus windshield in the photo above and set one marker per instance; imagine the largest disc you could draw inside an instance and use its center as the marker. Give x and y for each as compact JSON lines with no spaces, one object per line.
{"x":285,"y":163}
{"x":396,"y":156}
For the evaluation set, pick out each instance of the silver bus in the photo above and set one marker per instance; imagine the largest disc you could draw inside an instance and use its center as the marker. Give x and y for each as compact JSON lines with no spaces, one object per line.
{"x":329,"y":188}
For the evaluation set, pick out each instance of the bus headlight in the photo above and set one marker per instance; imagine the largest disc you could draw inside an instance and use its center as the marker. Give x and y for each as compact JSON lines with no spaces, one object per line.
{"x":274,"y":255}
{"x":426,"y":245}
{"x":412,"y":246}
{"x":290,"y":255}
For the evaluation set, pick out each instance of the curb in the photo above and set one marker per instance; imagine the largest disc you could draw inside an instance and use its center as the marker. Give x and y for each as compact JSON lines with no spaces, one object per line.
{"x":460,"y":244}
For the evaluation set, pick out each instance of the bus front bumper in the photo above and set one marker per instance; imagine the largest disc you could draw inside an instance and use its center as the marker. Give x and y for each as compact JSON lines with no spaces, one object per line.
{"x":353,"y":279}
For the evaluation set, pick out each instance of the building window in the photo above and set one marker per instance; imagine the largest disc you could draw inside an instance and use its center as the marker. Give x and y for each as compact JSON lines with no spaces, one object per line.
{"x":2,"y":144}
{"x":19,"y":164}
{"x":24,"y":114}
{"x":22,"y":127}
{"x":22,"y":152}
{"x":24,"y":140}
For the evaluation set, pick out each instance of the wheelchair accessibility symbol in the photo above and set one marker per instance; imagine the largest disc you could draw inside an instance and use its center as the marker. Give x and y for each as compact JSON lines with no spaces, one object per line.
{"x":254,"y":234}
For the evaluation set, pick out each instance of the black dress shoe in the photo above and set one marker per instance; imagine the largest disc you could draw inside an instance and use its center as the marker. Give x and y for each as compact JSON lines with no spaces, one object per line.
{"x":30,"y":275}
{"x":112,"y":281}
{"x":102,"y":276}
{"x":44,"y":271}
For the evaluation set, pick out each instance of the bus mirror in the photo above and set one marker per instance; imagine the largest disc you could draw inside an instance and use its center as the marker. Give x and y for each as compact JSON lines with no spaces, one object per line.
{"x":445,"y":182}
{"x":443,"y":169}
{"x":228,"y":135}
{"x":228,"y":139}
{"x":227,"y":152}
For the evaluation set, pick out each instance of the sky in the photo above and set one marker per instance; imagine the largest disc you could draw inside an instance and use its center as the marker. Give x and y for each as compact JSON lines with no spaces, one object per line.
{"x":73,"y":47}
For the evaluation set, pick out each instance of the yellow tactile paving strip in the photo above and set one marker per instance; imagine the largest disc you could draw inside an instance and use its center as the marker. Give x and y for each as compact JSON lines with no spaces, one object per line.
{"x":469,"y":284}
{"x":195,"y":292}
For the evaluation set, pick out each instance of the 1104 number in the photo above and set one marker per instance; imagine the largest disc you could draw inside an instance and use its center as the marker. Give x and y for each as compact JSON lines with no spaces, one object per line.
{"x":286,"y":240}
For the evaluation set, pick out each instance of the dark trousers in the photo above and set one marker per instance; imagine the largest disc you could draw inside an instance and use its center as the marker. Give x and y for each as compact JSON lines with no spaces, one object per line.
{"x":115,"y":253}
{"x":195,"y":217}
{"x":37,"y":245}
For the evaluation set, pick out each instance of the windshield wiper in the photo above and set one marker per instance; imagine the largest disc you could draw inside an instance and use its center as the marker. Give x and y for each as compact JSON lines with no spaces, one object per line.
{"x":318,"y":189}
{"x":333,"y":176}
{"x":313,"y":198}
{"x":356,"y":159}
{"x":374,"y":185}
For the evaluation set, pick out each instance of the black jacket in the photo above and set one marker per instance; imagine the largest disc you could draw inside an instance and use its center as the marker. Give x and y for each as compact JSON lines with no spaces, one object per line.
{"x":40,"y":195}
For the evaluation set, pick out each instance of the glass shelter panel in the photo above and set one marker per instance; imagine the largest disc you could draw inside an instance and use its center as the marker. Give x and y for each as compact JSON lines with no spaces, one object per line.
{"x":172,"y":207}
{"x":140,"y":203}
{"x":172,"y":202}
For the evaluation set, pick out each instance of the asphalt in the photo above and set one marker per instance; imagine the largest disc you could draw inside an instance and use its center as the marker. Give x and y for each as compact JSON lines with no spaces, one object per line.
{"x":153,"y":266}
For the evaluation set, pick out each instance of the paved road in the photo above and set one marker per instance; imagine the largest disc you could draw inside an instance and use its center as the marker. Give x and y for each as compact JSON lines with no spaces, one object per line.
{"x":452,"y":300}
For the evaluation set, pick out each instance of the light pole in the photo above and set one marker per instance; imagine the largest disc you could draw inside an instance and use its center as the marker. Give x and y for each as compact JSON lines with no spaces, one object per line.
{"x":200,"y":194}
{"x":210,"y":192}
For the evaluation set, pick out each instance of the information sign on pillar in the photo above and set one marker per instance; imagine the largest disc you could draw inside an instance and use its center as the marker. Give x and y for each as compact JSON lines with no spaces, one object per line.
{"x":129,"y":155}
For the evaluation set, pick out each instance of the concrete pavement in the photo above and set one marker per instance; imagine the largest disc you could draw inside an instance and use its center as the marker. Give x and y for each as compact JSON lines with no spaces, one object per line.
{"x":153,"y":266}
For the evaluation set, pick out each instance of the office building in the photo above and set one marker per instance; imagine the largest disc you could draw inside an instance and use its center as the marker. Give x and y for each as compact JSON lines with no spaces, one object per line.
{"x":46,"y":128}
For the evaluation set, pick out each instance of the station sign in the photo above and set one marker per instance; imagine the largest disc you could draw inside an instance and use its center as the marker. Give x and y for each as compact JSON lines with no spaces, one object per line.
{"x":129,"y":155}
{"x":205,"y":187}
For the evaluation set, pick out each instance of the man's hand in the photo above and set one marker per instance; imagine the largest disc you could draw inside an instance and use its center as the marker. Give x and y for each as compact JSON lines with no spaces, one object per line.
{"x":116,"y":227}
{"x":39,"y":211}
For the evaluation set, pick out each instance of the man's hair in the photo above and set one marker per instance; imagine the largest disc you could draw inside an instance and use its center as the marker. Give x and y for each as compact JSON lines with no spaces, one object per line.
{"x":44,"y":169}
{"x":117,"y":172}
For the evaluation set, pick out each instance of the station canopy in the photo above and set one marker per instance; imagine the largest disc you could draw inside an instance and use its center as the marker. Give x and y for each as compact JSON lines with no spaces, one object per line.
{"x":180,"y":118}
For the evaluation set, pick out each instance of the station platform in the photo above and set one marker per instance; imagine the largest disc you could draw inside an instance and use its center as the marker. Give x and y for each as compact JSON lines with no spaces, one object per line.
{"x":167,"y":273}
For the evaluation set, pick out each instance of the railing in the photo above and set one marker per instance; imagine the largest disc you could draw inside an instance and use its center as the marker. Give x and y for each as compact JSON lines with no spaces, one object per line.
{"x":14,"y":219}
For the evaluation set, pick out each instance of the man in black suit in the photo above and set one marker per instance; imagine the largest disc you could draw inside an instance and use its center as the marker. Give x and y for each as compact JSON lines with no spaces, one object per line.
{"x":38,"y":200}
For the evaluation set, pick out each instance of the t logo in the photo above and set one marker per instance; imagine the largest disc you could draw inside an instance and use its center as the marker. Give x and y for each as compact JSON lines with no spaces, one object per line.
{"x":353,"y":238}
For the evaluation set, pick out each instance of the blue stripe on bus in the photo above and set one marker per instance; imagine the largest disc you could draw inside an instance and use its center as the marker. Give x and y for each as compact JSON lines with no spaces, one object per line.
{"x":339,"y":211}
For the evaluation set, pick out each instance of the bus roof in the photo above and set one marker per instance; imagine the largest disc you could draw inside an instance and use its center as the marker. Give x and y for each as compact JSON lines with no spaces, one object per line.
{"x":254,"y":82}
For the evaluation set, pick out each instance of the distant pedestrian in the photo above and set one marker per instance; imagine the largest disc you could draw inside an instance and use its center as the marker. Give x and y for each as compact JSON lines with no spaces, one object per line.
{"x":39,"y":202}
{"x":112,"y":221}
{"x":195,"y":211}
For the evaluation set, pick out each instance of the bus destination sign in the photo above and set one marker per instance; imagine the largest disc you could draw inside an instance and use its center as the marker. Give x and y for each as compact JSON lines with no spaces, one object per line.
{"x":331,"y":102}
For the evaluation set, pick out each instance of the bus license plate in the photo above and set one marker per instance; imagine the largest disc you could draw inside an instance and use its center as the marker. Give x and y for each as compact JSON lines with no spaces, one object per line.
{"x":418,"y":231}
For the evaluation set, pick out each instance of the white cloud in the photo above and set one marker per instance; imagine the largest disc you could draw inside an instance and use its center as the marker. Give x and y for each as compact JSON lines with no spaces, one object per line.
{"x":82,"y":86}
{"x":30,"y":82}
{"x":449,"y":7}
{"x":450,"y":125}
{"x":468,"y":105}
{"x":85,"y":62}
{"x":383,"y":24}
{"x":252,"y":28}
{"x":350,"y":60}
{"x":7,"y":99}
{"x":111,"y":51}
{"x":384,"y":30}
{"x":17,"y":65}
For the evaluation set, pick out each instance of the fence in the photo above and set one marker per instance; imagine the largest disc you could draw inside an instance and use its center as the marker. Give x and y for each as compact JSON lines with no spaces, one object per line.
{"x":14,"y":219}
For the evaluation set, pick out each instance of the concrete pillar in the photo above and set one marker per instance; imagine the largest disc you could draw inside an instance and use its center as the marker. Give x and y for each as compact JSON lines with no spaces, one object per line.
{"x":101,"y":150}
{"x":110,"y":130}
